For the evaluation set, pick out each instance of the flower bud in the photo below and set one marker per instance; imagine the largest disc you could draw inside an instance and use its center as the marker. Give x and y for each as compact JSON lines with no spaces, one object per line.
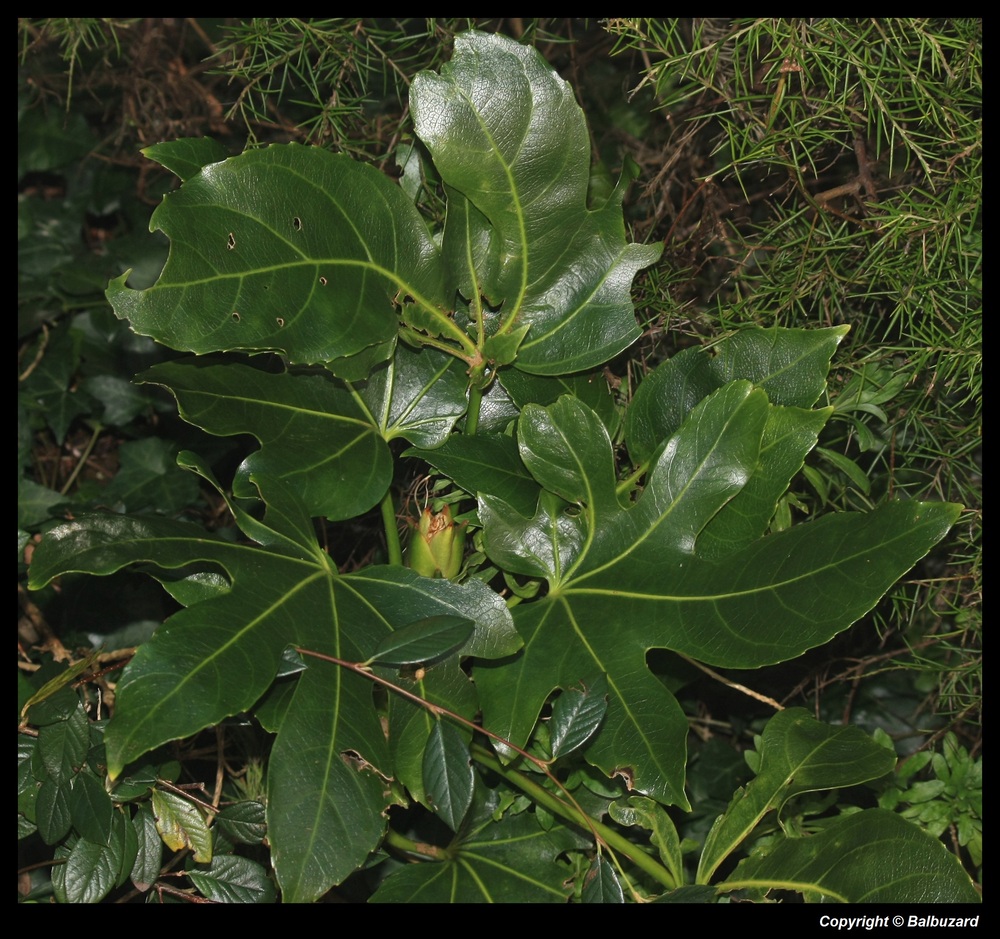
{"x":437,"y":545}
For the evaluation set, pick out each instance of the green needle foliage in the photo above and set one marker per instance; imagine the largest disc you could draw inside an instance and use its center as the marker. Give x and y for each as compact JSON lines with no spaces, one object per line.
{"x":698,"y":430}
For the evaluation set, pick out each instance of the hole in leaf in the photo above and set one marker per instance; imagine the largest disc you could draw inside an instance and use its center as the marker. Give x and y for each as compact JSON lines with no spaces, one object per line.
{"x":628,"y":774}
{"x":322,"y":281}
{"x":236,"y":317}
{"x":280,"y":320}
{"x":297,"y":223}
{"x":231,"y":242}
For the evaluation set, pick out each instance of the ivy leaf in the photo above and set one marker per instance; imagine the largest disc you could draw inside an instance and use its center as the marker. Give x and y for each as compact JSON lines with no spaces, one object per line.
{"x":149,"y":479}
{"x":872,"y":856}
{"x":633,"y":578}
{"x":290,"y":249}
{"x":505,"y":131}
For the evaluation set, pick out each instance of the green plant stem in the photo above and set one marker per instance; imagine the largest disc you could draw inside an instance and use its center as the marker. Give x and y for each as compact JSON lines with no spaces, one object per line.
{"x":96,"y":429}
{"x":392,"y":544}
{"x":629,"y":482}
{"x":569,"y":810}
{"x":418,"y":848}
{"x":541,"y":796}
{"x":472,"y":415}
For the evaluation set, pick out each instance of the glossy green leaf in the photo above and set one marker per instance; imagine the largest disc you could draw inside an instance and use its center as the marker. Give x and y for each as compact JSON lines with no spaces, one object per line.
{"x":592,"y":389}
{"x":91,"y":870}
{"x":797,"y":754}
{"x":506,"y":861}
{"x":791,"y":365}
{"x":423,"y":641}
{"x":646,"y":813}
{"x":417,"y":395}
{"x":601,"y":884}
{"x":149,"y":849}
{"x":243,"y":822}
{"x":63,"y":745}
{"x":186,"y":157}
{"x":411,"y":725}
{"x":448,"y":775}
{"x":506,"y":132}
{"x":232,"y":879}
{"x":53,"y":810}
{"x":93,"y":813}
{"x":182,"y":825}
{"x":288,"y":414}
{"x":27,"y":784}
{"x":485,"y":463}
{"x":576,"y":715}
{"x":290,"y":249}
{"x":88,"y":875}
{"x":634,"y":579}
{"x":868,"y":857}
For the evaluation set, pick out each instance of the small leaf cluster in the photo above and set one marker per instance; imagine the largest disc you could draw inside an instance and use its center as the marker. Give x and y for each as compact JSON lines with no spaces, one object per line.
{"x":105,"y":837}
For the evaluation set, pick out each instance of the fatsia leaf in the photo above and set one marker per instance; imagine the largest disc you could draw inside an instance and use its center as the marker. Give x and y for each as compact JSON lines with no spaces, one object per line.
{"x":797,"y":754}
{"x":186,"y":157}
{"x":219,"y":655}
{"x":290,"y":414}
{"x":505,"y":131}
{"x":417,"y":395}
{"x":505,"y":861}
{"x":791,"y":365}
{"x":485,"y":463}
{"x":633,"y":578}
{"x":290,"y":249}
{"x":874,"y":856}
{"x":646,"y":813}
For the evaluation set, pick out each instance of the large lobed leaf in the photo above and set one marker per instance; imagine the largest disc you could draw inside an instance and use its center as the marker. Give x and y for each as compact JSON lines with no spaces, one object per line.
{"x":217,"y":657}
{"x":627,"y":578}
{"x":873,"y":856}
{"x":509,"y":139}
{"x":296,"y":250}
{"x":326,"y":437}
{"x":287,"y":248}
